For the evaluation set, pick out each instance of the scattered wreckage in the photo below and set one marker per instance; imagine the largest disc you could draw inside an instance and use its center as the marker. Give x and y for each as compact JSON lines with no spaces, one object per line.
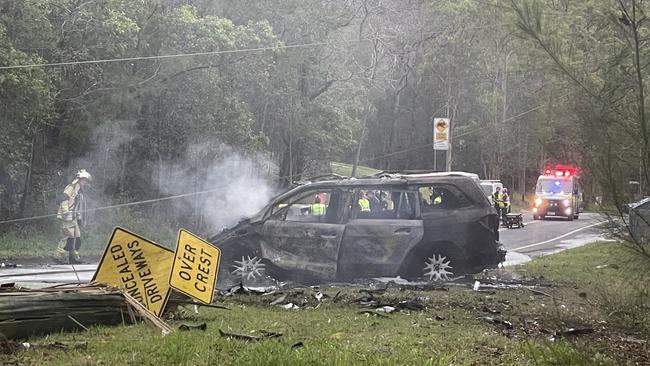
{"x":410,"y":224}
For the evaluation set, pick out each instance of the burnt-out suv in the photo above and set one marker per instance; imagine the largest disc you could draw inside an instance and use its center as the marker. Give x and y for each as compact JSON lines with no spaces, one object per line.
{"x":428,"y":225}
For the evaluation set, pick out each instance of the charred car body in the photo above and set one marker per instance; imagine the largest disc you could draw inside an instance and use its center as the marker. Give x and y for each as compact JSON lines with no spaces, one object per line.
{"x":431,"y":225}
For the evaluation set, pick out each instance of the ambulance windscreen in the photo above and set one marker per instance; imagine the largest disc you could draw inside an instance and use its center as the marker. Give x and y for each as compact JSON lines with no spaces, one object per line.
{"x":554,"y":186}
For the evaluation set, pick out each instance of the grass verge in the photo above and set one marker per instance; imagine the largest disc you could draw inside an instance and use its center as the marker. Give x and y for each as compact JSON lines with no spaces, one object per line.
{"x":37,"y":242}
{"x":456,"y":326}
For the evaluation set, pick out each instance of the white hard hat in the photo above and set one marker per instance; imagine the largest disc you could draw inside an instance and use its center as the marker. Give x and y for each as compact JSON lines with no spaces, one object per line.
{"x":83,"y":174}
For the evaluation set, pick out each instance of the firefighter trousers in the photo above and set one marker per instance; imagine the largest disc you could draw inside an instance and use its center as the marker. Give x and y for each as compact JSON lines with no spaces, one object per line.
{"x":70,"y":240}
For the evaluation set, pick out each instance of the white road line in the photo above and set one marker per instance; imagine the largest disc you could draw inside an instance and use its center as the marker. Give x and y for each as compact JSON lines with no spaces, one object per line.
{"x":558,"y":237}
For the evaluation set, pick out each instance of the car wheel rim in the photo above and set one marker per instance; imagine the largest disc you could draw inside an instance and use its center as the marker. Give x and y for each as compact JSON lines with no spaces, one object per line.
{"x":249,"y":268}
{"x":437,"y":268}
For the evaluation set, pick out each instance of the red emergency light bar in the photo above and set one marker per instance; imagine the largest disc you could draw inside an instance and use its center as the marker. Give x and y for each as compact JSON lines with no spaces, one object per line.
{"x":560,"y":171}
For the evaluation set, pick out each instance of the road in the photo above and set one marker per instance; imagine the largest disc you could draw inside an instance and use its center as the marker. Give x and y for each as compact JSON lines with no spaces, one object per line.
{"x":536,"y":238}
{"x":540,"y":237}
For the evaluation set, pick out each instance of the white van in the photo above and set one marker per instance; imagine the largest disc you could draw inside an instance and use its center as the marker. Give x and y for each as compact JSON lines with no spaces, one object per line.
{"x":489,"y":187}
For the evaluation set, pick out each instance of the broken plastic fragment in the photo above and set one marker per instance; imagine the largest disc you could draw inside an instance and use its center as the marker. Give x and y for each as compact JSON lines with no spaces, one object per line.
{"x":385,"y":309}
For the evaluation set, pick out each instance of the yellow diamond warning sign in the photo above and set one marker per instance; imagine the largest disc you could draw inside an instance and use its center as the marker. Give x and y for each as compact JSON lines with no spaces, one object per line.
{"x":195,"y":268}
{"x":139,"y":266}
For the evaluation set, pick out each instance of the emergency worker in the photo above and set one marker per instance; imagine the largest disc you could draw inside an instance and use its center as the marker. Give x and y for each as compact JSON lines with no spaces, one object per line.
{"x":317,"y":208}
{"x":364,"y":203}
{"x":386,"y":203}
{"x":506,"y":199}
{"x":504,"y":203}
{"x":71,"y":210}
{"x":436,"y":197}
{"x":496,"y":197}
{"x":375,"y":204}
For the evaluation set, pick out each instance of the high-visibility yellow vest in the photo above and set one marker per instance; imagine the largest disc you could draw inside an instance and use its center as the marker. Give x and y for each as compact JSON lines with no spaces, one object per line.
{"x":317,"y":209}
{"x":500,"y":200}
{"x":364,"y":204}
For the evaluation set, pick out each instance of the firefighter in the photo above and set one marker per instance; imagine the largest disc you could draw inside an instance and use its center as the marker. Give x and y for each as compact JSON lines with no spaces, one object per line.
{"x":317,"y":208}
{"x":71,"y":210}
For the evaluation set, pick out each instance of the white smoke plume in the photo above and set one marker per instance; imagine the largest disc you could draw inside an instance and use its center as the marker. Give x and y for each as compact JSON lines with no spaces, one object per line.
{"x":242,"y":189}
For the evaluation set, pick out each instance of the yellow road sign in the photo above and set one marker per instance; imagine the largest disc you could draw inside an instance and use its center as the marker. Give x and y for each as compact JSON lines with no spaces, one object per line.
{"x":195,"y":269}
{"x":139,"y":266}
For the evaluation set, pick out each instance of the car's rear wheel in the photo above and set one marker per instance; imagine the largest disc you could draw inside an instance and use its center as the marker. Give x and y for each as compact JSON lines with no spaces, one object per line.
{"x":438,"y":268}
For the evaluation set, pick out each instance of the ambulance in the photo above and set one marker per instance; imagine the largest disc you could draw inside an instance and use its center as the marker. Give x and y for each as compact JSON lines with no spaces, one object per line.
{"x":558,"y":194}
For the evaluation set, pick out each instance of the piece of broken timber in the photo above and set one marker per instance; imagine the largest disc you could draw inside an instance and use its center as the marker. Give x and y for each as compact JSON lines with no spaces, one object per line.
{"x":145,"y":313}
{"x":250,"y":338}
{"x":28,"y":312}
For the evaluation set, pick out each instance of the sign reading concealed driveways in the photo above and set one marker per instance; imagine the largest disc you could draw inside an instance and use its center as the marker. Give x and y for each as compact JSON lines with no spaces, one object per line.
{"x":196,"y":264}
{"x":139,"y":266}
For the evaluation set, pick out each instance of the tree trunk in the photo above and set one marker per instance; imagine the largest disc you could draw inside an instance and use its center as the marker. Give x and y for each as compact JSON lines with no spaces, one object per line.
{"x":28,"y":175}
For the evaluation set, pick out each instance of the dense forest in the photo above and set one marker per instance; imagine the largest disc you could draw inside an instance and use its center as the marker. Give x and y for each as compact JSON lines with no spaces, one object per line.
{"x":166,"y":97}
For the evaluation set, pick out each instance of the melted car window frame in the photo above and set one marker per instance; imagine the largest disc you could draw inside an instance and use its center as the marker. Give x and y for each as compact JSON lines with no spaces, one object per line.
{"x":404,"y":209}
{"x":455,"y":198}
{"x":280,"y":210}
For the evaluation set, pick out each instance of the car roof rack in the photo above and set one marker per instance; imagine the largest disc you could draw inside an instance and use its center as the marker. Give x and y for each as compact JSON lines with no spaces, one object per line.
{"x":413,"y":171}
{"x":319,"y":178}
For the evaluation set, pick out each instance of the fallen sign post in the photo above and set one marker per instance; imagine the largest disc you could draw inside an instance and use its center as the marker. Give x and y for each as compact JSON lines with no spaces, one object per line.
{"x":139,"y":266}
{"x":195,"y":268}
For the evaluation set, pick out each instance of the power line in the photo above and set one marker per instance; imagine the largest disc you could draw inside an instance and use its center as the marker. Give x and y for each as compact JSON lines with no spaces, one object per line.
{"x":115,"y":206}
{"x":180,"y":55}
{"x":222,"y":52}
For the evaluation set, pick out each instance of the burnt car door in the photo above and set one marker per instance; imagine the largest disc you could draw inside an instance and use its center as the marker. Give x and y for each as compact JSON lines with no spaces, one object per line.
{"x":465,"y":231}
{"x":375,"y":241}
{"x":303,"y":234}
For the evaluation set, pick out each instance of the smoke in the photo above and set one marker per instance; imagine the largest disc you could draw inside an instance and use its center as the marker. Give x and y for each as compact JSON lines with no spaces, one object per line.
{"x":239,"y":180}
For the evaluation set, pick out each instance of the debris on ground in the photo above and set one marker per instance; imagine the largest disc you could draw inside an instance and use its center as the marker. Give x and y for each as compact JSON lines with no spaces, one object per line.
{"x":26,"y":312}
{"x":289,"y":306}
{"x":385,"y":309}
{"x":612,"y":266}
{"x":146,"y":314}
{"x":187,"y":327}
{"x":493,"y":320}
{"x":373,"y":312}
{"x":574,"y":331}
{"x":250,"y":338}
{"x":55,"y":345}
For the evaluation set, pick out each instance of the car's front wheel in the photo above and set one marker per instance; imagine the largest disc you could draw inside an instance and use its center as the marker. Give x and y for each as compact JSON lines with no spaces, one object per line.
{"x":438,"y":262}
{"x":240,"y":264}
